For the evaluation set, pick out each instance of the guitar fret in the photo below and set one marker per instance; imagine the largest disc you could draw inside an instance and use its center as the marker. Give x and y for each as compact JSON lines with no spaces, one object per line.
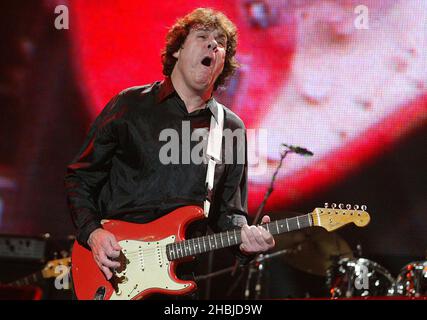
{"x":277,"y":227}
{"x":193,"y":242}
{"x":180,"y":249}
{"x":222,"y":242}
{"x":235,"y":236}
{"x":197,"y":245}
{"x":188,"y":245}
{"x":304,"y":223}
{"x":185,"y":248}
{"x":293,"y":224}
{"x":175,"y":250}
{"x":299,"y":227}
{"x":209,"y":242}
{"x":170,"y":251}
{"x":191,"y":246}
{"x":201,"y":245}
{"x":287,"y":225}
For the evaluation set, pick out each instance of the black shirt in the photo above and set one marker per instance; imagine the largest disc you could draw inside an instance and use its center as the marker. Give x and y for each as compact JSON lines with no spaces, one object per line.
{"x":118,"y":172}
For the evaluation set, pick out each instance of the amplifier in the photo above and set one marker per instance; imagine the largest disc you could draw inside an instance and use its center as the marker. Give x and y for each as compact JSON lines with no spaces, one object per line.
{"x":22,"y":248}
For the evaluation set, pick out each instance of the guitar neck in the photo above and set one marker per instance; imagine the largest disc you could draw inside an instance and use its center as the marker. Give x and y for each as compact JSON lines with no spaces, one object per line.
{"x":191,"y":247}
{"x":27,"y":280}
{"x":49,"y":271}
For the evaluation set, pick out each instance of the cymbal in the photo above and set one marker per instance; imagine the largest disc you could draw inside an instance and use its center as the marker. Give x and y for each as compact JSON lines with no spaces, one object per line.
{"x":314,"y":251}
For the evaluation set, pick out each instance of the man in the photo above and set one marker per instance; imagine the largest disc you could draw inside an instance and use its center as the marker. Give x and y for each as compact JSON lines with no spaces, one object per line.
{"x":119,"y":174}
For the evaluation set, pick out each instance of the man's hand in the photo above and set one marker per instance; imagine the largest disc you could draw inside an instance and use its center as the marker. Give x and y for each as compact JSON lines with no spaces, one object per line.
{"x":104,"y":247}
{"x":256,"y":239}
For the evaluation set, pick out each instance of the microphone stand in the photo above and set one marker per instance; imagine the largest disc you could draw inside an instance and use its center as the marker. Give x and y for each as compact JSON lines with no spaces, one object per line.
{"x":259,"y":265}
{"x":271,"y":187}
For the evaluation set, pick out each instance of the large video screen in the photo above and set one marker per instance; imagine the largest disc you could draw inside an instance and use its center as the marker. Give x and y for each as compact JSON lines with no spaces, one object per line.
{"x":343,"y":80}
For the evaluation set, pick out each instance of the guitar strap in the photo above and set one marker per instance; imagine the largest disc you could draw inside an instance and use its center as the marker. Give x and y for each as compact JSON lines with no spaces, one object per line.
{"x":213,"y":153}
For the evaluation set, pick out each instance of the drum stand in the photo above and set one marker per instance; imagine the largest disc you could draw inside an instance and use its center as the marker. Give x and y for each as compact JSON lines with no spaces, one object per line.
{"x":257,"y":267}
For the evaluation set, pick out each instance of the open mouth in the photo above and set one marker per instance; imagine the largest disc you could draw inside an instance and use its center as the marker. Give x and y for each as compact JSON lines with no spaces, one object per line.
{"x":207,"y":61}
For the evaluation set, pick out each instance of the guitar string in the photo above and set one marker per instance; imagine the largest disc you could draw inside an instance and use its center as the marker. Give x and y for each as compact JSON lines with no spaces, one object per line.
{"x":204,"y":243}
{"x":193,"y":246}
{"x":151,"y":251}
{"x":147,"y":252}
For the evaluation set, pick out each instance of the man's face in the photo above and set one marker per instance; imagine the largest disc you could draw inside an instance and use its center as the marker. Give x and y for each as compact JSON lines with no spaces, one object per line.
{"x":201,"y":58}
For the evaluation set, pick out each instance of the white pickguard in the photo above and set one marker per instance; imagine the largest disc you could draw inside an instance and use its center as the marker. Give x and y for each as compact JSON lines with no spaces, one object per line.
{"x":148,"y":268}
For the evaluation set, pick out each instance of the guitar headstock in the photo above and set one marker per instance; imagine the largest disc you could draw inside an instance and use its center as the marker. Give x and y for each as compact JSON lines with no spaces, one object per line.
{"x":336,"y":216}
{"x":49,"y":271}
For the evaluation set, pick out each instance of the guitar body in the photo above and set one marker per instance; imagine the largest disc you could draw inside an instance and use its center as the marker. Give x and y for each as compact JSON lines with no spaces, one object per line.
{"x":151,"y":251}
{"x":148,"y":269}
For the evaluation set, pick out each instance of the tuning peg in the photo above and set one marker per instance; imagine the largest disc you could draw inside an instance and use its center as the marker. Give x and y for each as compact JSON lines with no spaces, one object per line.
{"x":356,"y":207}
{"x":364,"y":207}
{"x":326,"y":205}
{"x":341,"y":206}
{"x":334,"y":205}
{"x":348,"y":206}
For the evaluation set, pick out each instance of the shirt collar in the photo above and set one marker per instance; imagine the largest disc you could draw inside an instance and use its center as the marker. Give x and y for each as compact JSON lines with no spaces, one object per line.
{"x":167,"y":89}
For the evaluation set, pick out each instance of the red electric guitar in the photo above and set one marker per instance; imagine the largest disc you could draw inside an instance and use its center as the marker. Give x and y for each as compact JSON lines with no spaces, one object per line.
{"x":150,"y":252}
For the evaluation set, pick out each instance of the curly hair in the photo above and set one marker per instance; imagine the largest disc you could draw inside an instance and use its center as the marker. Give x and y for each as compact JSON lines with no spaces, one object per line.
{"x":206,"y":18}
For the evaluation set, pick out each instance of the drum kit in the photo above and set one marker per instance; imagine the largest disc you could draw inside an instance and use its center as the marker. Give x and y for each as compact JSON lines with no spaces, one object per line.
{"x":321,"y":253}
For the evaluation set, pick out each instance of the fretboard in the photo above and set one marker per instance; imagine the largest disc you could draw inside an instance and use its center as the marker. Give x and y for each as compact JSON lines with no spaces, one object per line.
{"x":28,"y":280}
{"x":194,"y":246}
